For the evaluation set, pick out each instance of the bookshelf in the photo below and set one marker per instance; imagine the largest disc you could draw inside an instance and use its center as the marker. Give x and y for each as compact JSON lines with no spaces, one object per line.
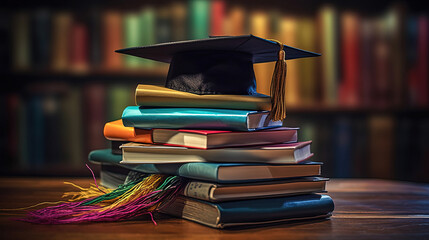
{"x":361,"y":89}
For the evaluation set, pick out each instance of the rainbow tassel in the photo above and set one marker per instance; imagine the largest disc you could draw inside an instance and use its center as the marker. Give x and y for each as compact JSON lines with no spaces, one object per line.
{"x":136,"y":197}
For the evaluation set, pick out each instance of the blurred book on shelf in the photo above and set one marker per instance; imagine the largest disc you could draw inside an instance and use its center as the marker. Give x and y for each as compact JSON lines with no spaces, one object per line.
{"x":371,"y":63}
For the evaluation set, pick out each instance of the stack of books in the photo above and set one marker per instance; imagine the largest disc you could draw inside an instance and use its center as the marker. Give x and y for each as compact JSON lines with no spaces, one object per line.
{"x":240,"y":167}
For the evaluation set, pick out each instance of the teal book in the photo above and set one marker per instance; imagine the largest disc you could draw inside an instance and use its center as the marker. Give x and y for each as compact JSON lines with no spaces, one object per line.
{"x":215,"y":172}
{"x":252,"y":211}
{"x":197,"y":118}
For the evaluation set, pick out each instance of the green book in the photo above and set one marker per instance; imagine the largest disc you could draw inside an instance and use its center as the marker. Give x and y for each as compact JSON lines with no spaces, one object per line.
{"x":147,"y":28}
{"x":199,"y":13}
{"x":132,"y":37}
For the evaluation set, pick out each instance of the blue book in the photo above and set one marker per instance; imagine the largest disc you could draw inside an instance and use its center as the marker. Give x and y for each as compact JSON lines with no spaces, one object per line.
{"x":197,"y":118}
{"x":215,"y":172}
{"x":252,"y":211}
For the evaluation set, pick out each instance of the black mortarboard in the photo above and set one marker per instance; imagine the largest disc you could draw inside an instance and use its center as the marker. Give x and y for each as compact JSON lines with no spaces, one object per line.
{"x":220,"y":65}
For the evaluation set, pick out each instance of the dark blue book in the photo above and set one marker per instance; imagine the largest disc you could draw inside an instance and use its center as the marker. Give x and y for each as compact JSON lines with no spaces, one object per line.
{"x":252,"y":211}
{"x":197,"y":118}
{"x":41,"y":44}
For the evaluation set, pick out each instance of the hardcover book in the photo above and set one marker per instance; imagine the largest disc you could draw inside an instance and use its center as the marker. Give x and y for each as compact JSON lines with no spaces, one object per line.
{"x":207,"y":139}
{"x":256,"y":211}
{"x":156,"y":96}
{"x":197,"y":118}
{"x":116,"y":131}
{"x":136,"y":153}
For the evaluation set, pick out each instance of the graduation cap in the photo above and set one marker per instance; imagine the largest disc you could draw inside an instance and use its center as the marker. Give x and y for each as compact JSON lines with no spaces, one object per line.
{"x":223,"y":65}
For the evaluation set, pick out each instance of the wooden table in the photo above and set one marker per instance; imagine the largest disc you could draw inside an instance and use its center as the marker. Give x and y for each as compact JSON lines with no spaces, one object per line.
{"x":364,"y":209}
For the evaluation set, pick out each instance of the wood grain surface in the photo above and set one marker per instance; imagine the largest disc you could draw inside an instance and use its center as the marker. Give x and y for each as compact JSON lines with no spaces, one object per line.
{"x":364,"y":209}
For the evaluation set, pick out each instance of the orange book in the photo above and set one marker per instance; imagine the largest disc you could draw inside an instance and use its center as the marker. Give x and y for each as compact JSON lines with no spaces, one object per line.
{"x":116,"y":131}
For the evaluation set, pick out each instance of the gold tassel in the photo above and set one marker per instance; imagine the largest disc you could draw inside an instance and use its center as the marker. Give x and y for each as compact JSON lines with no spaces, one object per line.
{"x":278,"y":87}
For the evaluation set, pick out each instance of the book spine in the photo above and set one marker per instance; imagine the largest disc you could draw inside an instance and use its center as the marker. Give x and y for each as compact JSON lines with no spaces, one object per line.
{"x":423,"y":61}
{"x":287,"y":33}
{"x":199,"y":12}
{"x":146,"y":30}
{"x":112,"y":39}
{"x":132,"y":37}
{"x":119,"y":96}
{"x":381,"y":137}
{"x":41,"y":38}
{"x":179,"y":15}
{"x":79,"y":58}
{"x":260,"y":26}
{"x":21,"y":48}
{"x":307,"y":67}
{"x":61,"y":41}
{"x":163,"y":25}
{"x":217,"y":18}
{"x":329,"y":44}
{"x":349,"y":87}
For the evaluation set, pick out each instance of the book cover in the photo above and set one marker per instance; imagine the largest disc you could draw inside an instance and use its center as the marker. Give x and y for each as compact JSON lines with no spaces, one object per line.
{"x":116,"y":131}
{"x":155,"y":96}
{"x":137,"y":153}
{"x":207,"y":139}
{"x":256,"y":211}
{"x":197,"y":118}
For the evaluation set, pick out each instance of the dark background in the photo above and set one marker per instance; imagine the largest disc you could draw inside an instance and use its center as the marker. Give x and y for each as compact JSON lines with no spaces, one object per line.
{"x":364,"y":102}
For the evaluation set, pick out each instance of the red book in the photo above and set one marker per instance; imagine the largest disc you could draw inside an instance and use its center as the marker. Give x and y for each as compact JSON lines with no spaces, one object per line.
{"x":79,"y":50}
{"x":94,"y":115}
{"x":349,"y":88}
{"x":217,"y":18}
{"x":206,"y":139}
